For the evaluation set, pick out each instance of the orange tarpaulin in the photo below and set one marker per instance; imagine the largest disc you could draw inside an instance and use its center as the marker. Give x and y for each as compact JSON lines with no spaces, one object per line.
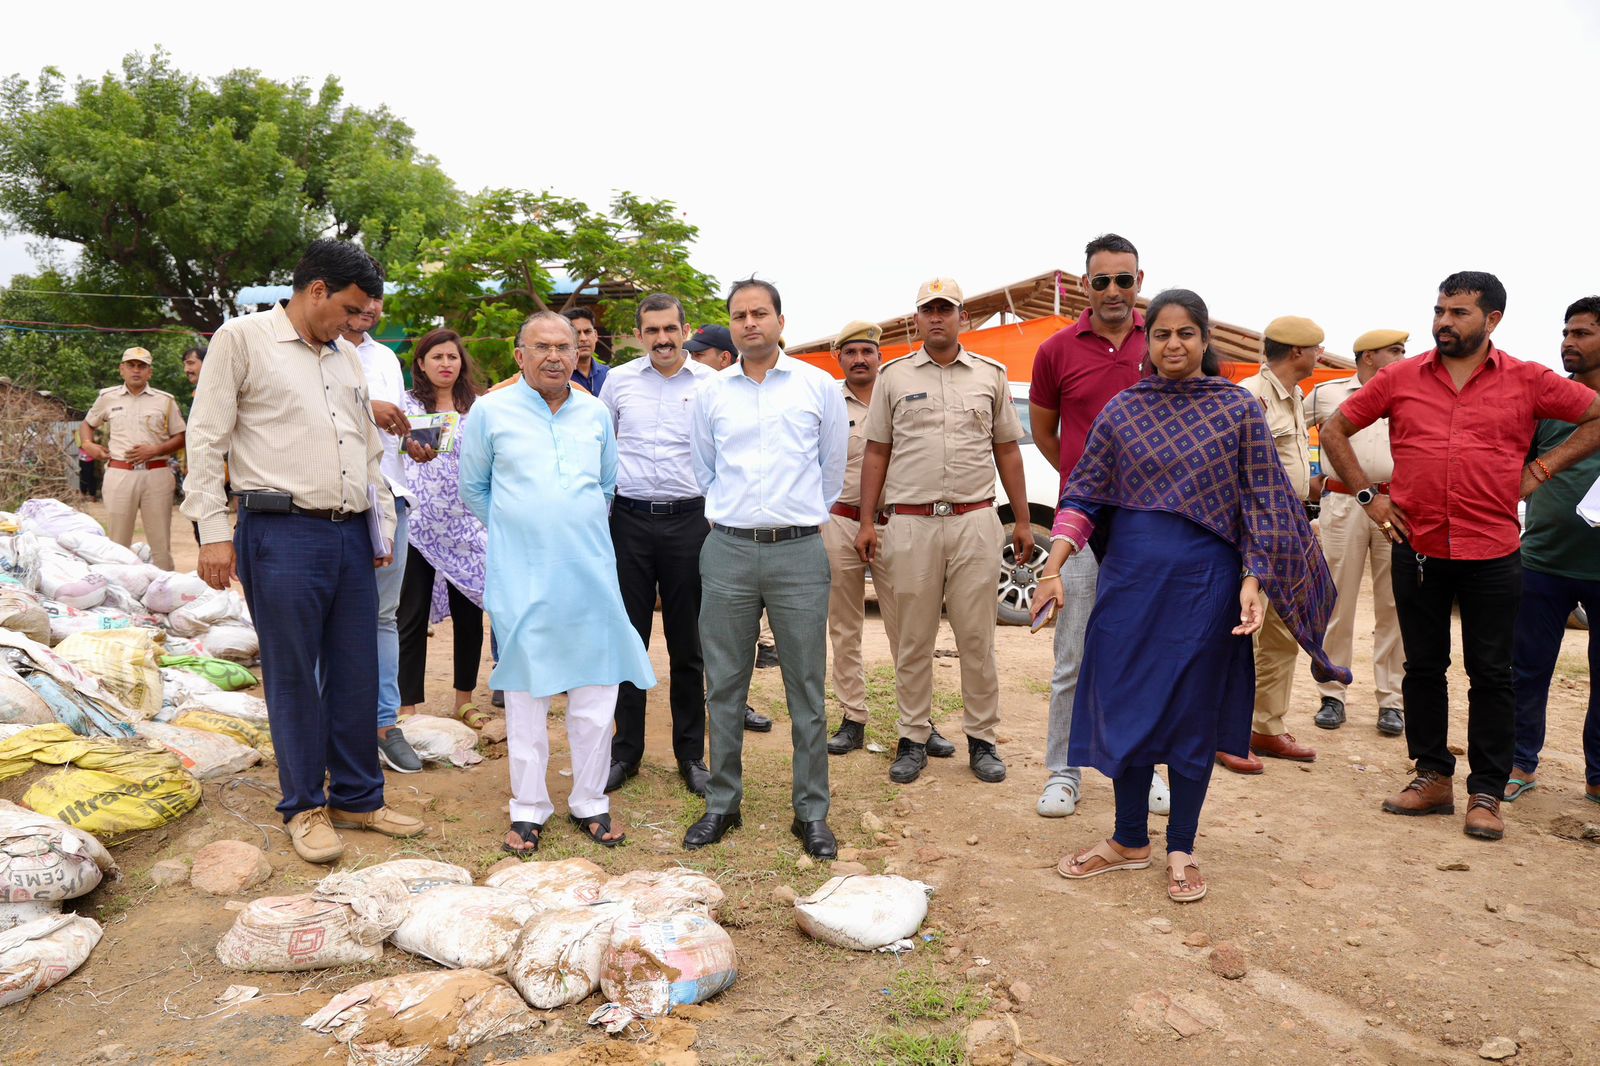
{"x":1015,"y":344}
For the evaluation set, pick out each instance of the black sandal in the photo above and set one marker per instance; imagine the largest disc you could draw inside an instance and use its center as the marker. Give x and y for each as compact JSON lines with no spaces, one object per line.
{"x":529,"y":832}
{"x":602,"y":824}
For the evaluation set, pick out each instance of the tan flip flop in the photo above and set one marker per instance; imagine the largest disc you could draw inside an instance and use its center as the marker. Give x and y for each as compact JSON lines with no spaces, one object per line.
{"x":1181,"y":888}
{"x":1109,"y":858}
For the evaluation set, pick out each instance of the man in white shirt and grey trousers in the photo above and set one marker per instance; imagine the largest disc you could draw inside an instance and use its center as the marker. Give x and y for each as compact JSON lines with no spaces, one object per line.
{"x":770,"y":440}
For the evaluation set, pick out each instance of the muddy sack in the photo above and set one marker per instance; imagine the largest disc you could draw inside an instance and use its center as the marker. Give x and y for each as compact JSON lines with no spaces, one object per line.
{"x":652,"y":966}
{"x":553,"y":886}
{"x":43,"y":952}
{"x":15,"y":914}
{"x":556,"y":961}
{"x":276,"y":934}
{"x":659,"y":893}
{"x":43,"y":859}
{"x":863,"y":912}
{"x":465,"y":926}
{"x":414,"y":876}
{"x":411,"y":1018}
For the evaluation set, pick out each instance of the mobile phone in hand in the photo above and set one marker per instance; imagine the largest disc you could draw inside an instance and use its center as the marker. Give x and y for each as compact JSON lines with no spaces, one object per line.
{"x":428,"y":436}
{"x":1042,"y":618}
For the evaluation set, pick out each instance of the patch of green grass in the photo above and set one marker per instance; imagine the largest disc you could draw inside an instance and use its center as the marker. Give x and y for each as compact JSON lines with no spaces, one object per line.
{"x":1035,"y":686}
{"x":883,"y":706}
{"x":921,"y":994}
{"x":901,"y":1048}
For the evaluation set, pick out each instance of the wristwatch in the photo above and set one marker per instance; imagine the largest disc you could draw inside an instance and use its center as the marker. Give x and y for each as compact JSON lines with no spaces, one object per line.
{"x":1366,"y":495}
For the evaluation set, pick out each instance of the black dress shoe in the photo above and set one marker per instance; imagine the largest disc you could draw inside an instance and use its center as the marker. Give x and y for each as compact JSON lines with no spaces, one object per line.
{"x":710,"y":829}
{"x":985,"y":761}
{"x":756,"y":723}
{"x":817,"y":838}
{"x":851,"y":735}
{"x":1391,"y":721}
{"x":1331,"y":714}
{"x":910,"y":759}
{"x":938,"y":746}
{"x":766,"y":656}
{"x":620,"y":772}
{"x":694,"y":774}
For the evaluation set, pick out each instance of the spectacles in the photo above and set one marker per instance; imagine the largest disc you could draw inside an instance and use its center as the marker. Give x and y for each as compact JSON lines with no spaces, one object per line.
{"x":545,"y":350}
{"x":1102,"y":282}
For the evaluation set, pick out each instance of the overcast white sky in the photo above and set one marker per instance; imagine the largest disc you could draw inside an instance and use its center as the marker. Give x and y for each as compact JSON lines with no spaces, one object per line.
{"x":1334,"y":160}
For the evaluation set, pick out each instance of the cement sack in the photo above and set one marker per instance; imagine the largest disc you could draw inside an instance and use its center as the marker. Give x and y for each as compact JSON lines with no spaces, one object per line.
{"x":52,"y":518}
{"x":415,"y":1018}
{"x":204,"y":754}
{"x":125,"y":661}
{"x":77,"y":697}
{"x":96,"y":547}
{"x":556,"y":961}
{"x":135,"y":578}
{"x":221,"y":674}
{"x":652,"y":966}
{"x":414,"y":876}
{"x":175,"y":684}
{"x":171,"y":591}
{"x":465,"y":926}
{"x":43,"y":859}
{"x":234,"y":642}
{"x":658,"y":893}
{"x":122,"y":601}
{"x":43,"y":952}
{"x":234,"y":704}
{"x":115,"y":787}
{"x":65,"y":621}
{"x":863,"y":913}
{"x":275,"y":934}
{"x":82,"y":593}
{"x":142,"y":550}
{"x":216,"y":607}
{"x":15,"y":914}
{"x":552,"y":886}
{"x":21,"y":612}
{"x":441,"y":739}
{"x":251,"y":734}
{"x":19,"y":703}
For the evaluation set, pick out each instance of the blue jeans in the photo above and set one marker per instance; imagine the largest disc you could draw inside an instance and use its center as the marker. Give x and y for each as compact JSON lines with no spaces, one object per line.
{"x":1547,"y":601}
{"x":389,"y":581}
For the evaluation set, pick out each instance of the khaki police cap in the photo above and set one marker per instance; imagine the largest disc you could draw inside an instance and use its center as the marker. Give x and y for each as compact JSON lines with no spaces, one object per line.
{"x":137,"y":355}
{"x":858,"y":331}
{"x":1294,"y":331}
{"x":1379,"y":338}
{"x":940,"y":289}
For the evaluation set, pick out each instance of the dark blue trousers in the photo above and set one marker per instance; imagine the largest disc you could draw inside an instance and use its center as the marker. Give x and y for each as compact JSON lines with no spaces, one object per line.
{"x":309,"y":583}
{"x":1547,"y":602}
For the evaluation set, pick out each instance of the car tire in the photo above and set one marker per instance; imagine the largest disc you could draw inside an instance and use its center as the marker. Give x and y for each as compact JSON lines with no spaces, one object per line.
{"x":1017,"y":583}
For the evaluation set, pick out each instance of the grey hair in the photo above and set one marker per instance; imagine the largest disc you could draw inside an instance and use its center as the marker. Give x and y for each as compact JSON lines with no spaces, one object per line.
{"x":544,"y":316}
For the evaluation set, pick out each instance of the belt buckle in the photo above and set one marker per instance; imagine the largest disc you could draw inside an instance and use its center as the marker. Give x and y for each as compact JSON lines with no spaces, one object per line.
{"x":944,"y":509}
{"x":339,"y":516}
{"x":657,"y":507}
{"x":766,"y":535}
{"x":136,"y":466}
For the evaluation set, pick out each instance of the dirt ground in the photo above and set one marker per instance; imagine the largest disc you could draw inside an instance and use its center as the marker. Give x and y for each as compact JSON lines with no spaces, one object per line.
{"x":1366,"y":938}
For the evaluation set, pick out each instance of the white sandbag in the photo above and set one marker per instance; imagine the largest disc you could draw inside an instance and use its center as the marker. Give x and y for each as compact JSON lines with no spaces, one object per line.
{"x":414,"y":876}
{"x":236,"y":704}
{"x":235,"y":642}
{"x":552,"y":886}
{"x":652,"y":966}
{"x":142,"y":550}
{"x":556,"y":961}
{"x":177,"y":683}
{"x":21,"y":612}
{"x":82,"y":593}
{"x":96,"y":548}
{"x":441,"y":739}
{"x":19,"y":704}
{"x":135,"y":578}
{"x":52,"y":518}
{"x":171,"y":591}
{"x":464,"y":926}
{"x":215,"y":607}
{"x":65,"y":621}
{"x":43,"y":858}
{"x":863,"y":912}
{"x":204,"y":754}
{"x":15,"y":914}
{"x":275,"y":934}
{"x":414,"y":1018}
{"x":658,"y":893}
{"x":43,"y":952}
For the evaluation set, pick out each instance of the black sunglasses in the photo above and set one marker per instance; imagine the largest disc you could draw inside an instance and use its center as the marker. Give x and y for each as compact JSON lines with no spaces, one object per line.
{"x":1102,"y":282}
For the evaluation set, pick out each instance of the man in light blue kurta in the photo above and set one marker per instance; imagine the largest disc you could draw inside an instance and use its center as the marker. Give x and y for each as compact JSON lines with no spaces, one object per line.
{"x":539,"y":467}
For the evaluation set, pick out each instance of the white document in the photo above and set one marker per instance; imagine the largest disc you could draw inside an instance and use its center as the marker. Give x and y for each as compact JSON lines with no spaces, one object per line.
{"x":1589,"y":506}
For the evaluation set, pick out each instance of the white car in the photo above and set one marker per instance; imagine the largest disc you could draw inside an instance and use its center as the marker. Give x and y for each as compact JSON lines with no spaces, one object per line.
{"x":1019,"y":578}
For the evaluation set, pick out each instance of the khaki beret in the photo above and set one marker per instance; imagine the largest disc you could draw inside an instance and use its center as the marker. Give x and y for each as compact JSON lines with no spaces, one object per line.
{"x":858,"y":331}
{"x":137,"y":355}
{"x":1294,"y":331}
{"x":1379,"y":338}
{"x":940,"y":289}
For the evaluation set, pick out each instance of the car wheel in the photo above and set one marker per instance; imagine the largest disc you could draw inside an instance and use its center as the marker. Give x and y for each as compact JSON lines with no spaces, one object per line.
{"x":1019,"y":578}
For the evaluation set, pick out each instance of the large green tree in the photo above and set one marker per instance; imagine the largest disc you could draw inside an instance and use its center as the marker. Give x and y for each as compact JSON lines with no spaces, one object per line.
{"x":190,"y":190}
{"x":513,"y":247}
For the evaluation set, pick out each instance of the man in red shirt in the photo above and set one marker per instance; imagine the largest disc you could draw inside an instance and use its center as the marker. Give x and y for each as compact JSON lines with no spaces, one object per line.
{"x":1075,"y":374}
{"x":1461,"y":419}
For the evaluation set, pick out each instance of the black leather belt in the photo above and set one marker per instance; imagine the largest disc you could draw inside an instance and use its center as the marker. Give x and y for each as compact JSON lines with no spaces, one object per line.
{"x":326,"y":515}
{"x":769,"y":535}
{"x":661,"y":507}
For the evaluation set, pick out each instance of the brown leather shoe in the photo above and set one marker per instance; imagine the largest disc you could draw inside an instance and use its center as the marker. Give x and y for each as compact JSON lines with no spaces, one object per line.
{"x":390,"y":823}
{"x":313,"y":838}
{"x":1430,"y":792}
{"x":1247,"y":765}
{"x":1483,"y":817}
{"x":1282,"y":746}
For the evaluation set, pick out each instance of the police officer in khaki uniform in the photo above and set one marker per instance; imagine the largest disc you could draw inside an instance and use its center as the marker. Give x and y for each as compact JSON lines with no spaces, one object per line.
{"x":940,"y":421}
{"x":1352,"y":542}
{"x":1290,"y":347}
{"x":145,"y":429}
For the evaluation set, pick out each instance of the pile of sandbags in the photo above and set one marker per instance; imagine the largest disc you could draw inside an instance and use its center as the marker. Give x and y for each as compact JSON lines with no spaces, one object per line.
{"x":109,"y":787}
{"x":400,"y":1021}
{"x":44,"y":862}
{"x":43,"y":952}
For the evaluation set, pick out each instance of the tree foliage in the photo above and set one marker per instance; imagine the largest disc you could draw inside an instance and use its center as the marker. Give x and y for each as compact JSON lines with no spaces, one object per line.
{"x":513,"y":247}
{"x":191,"y":190}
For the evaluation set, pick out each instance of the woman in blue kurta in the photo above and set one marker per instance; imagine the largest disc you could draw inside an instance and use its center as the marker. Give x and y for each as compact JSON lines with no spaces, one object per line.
{"x":539,"y":467}
{"x":1182,"y":497}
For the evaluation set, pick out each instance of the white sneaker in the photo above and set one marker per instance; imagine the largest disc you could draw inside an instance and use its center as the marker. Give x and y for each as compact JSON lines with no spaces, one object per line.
{"x":1058,"y":800}
{"x":1160,"y":796}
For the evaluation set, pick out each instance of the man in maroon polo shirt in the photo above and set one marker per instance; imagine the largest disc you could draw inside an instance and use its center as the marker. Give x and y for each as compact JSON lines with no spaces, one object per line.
{"x":1075,"y":374}
{"x":1461,"y":419}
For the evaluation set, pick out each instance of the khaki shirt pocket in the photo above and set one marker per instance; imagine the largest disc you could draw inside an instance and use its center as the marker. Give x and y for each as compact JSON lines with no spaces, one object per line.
{"x":914,"y":415}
